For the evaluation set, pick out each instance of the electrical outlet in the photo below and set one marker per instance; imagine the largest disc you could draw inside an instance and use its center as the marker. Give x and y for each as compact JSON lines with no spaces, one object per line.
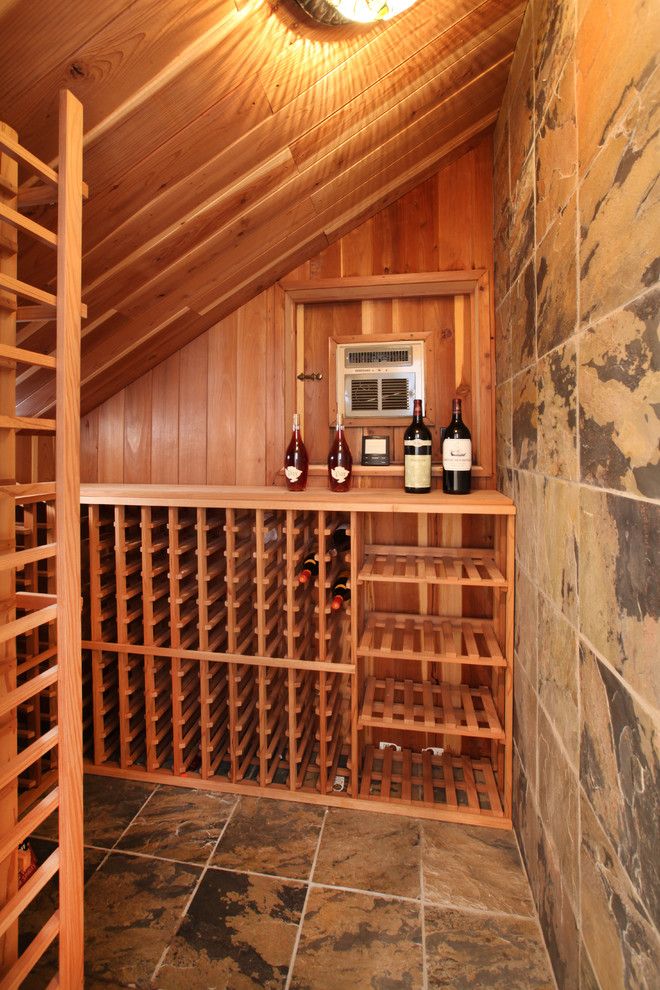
{"x":436,"y":750}
{"x":388,"y":745}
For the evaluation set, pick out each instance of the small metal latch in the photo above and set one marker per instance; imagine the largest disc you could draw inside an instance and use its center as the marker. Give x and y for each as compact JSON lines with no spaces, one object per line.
{"x":315,"y":376}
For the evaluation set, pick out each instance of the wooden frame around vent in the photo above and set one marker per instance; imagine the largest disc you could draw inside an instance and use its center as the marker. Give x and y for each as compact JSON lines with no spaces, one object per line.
{"x":473,"y":328}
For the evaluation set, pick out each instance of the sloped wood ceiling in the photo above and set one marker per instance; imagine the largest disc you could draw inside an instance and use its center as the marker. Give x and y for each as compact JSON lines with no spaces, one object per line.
{"x":228,"y":141}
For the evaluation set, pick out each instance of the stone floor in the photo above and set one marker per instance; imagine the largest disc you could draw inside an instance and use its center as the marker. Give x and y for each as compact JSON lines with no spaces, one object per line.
{"x":191,"y":889}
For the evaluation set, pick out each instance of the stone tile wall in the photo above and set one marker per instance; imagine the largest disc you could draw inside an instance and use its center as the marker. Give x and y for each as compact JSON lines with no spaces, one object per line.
{"x":577,"y":245}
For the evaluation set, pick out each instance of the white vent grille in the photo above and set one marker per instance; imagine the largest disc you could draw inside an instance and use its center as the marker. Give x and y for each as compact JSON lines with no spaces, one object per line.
{"x":379,"y":381}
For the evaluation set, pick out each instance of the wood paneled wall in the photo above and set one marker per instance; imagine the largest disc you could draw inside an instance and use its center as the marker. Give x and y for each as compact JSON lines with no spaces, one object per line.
{"x":213,"y":413}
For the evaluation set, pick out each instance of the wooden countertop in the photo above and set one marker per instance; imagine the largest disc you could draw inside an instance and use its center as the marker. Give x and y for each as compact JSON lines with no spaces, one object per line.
{"x":477,"y":502}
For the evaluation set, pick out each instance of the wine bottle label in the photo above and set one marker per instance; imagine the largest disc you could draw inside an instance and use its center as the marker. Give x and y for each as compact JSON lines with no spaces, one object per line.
{"x":339,"y":473}
{"x":292,"y":473}
{"x":416,"y":445}
{"x":456,"y":455}
{"x":417,"y":471}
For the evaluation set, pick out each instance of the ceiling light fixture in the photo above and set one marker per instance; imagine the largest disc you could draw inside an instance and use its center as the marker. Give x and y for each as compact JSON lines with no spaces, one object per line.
{"x":345,"y":11}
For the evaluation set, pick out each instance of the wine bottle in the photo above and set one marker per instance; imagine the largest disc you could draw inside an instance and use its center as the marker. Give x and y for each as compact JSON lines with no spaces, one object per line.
{"x":340,"y":591}
{"x":340,"y":460}
{"x":310,"y":567}
{"x":296,"y":461}
{"x":340,"y":540}
{"x":456,"y":455}
{"x":417,"y":448}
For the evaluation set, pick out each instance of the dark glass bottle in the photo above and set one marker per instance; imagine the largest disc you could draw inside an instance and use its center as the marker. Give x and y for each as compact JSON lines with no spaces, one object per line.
{"x":296,"y":461}
{"x":456,"y":455}
{"x":417,"y":446}
{"x":340,"y":460}
{"x":340,"y":591}
{"x":340,"y":541}
{"x":310,"y":567}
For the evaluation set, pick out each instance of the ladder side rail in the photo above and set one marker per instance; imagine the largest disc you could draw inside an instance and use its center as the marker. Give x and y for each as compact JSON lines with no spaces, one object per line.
{"x":67,"y":473}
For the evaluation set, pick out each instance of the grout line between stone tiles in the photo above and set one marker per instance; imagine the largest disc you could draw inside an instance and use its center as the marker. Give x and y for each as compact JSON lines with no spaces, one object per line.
{"x":193,"y":892}
{"x":110,"y":849}
{"x":296,"y":943}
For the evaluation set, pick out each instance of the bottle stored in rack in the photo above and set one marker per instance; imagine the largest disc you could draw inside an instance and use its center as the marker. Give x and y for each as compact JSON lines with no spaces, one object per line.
{"x":340,"y":591}
{"x":310,"y":567}
{"x":340,"y":540}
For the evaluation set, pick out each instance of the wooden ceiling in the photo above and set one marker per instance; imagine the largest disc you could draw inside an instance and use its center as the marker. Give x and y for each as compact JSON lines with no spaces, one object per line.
{"x":227,"y":142}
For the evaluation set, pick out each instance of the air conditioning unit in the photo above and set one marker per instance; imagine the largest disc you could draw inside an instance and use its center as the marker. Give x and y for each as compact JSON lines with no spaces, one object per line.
{"x":379,"y":380}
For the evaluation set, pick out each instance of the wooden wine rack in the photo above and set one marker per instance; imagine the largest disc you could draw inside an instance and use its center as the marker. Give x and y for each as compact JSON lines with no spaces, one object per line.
{"x":212,"y":665}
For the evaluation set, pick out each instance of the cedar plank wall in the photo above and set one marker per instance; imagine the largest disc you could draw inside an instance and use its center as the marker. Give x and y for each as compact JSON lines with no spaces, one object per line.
{"x":213,"y":413}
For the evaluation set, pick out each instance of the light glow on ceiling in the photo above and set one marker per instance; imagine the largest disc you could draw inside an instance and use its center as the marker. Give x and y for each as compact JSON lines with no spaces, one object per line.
{"x":370,"y":10}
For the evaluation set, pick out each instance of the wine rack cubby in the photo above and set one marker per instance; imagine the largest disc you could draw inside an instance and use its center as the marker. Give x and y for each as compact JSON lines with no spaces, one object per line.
{"x":212,"y":663}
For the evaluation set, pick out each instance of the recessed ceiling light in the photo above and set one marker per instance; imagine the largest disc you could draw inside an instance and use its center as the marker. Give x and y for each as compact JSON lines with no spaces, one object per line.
{"x":343,"y":11}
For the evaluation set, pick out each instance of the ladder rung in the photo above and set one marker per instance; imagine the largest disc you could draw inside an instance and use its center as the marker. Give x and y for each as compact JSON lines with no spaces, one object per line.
{"x":35,"y":685}
{"x":35,"y":950}
{"x":24,"y":289}
{"x":25,"y":157}
{"x":34,"y":314}
{"x":29,"y":891}
{"x":30,"y":600}
{"x":25,"y":759}
{"x":28,"y":423}
{"x":18,"y":355}
{"x":42,"y":491}
{"x":29,"y":823}
{"x":18,"y":559}
{"x":29,"y":196}
{"x":19,"y":626}
{"x":17,"y":220}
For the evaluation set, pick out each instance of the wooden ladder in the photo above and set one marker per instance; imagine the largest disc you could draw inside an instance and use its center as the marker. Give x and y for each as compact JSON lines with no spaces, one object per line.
{"x":40,"y":632}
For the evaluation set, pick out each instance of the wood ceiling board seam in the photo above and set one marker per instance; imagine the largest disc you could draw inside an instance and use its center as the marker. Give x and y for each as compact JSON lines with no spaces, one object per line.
{"x":414,"y":117}
{"x":193,"y":195}
{"x":401,"y":185}
{"x":185,"y":234}
{"x":154,"y":122}
{"x":416,"y":135}
{"x":189,"y":277}
{"x":125,"y":49}
{"x":392,"y":89}
{"x":120,"y":201}
{"x":29,"y":33}
{"x":207,"y":275}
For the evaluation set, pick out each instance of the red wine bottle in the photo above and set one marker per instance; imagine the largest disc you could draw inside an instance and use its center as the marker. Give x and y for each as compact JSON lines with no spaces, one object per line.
{"x":340,"y":591}
{"x":417,"y":446}
{"x":296,"y":461}
{"x":456,"y":455}
{"x":310,"y":567}
{"x":340,"y":460}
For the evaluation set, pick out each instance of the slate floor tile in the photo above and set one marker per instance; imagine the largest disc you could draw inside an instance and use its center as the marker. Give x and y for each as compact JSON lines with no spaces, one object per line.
{"x":466,"y":951}
{"x":354,"y":940}
{"x":476,"y":868}
{"x":178,"y":823}
{"x":238,"y":934}
{"x":132,"y":909}
{"x":367,"y":851}
{"x":274,"y":837}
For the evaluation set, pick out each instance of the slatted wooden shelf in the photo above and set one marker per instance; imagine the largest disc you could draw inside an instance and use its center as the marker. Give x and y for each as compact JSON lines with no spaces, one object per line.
{"x":425,"y":637}
{"x":425,"y":707}
{"x":457,"y":784}
{"x":246,"y":679}
{"x":472,"y":567}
